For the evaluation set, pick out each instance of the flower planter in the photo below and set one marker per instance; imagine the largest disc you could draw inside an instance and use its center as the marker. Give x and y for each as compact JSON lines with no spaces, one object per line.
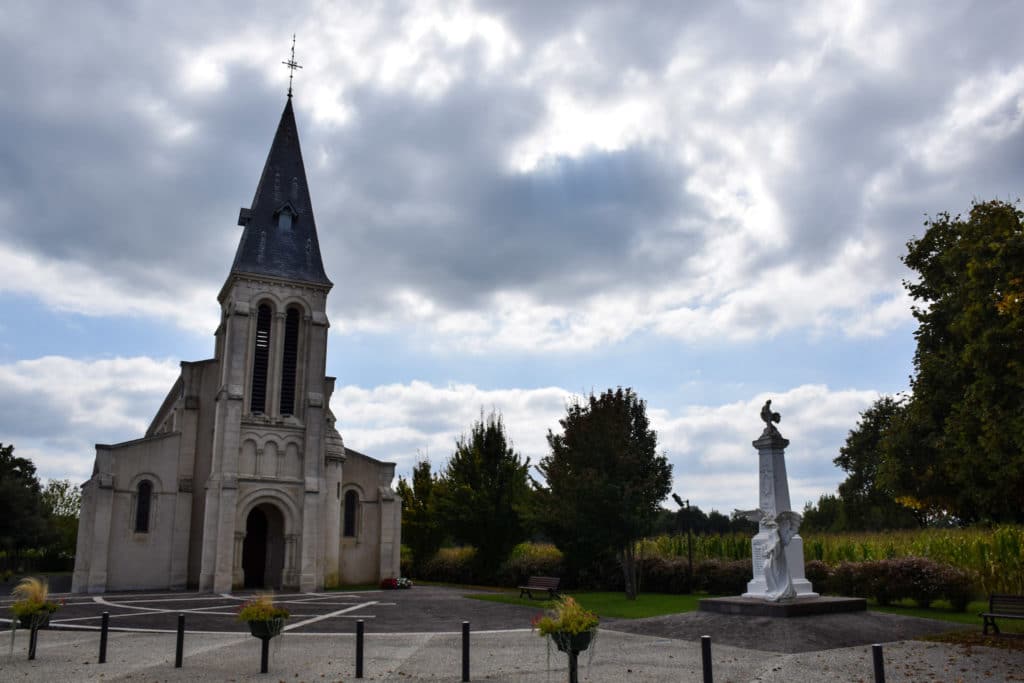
{"x":266,"y":628}
{"x":35,"y":621}
{"x":572,"y":642}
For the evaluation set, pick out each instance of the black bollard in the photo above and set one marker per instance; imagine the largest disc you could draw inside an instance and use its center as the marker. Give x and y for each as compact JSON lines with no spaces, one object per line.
{"x":179,"y":649}
{"x":876,"y":655}
{"x":104,"y":625}
{"x":705,"y":658}
{"x":264,"y":654}
{"x":360,"y":628}
{"x":33,"y":634}
{"x":465,"y":651}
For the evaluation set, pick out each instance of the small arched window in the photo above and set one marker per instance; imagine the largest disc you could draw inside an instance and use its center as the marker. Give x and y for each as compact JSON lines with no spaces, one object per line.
{"x":351,"y":510}
{"x":261,"y":359}
{"x":143,"y":503}
{"x":289,"y":361}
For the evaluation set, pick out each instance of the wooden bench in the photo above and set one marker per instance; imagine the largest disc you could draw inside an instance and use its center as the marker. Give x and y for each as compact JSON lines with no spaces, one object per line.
{"x":547,"y":584}
{"x":1003,"y":607}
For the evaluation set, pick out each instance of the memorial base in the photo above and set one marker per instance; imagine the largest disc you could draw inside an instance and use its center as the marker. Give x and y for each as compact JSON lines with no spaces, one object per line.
{"x":757,"y":588}
{"x":798,"y":607}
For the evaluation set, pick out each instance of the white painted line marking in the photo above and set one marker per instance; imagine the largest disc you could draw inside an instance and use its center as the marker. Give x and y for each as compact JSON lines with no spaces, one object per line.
{"x":313,"y":620}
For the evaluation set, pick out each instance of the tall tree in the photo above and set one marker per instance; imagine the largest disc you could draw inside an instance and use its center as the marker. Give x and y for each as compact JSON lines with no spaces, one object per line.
{"x":484,"y":492}
{"x":867,"y":504}
{"x":605,"y":480}
{"x":421,"y":527}
{"x":23,"y":519}
{"x":958,"y":448}
{"x":62,"y":501}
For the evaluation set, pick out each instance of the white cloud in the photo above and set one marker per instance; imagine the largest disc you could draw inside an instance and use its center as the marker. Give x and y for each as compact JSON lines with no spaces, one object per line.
{"x":79,"y":287}
{"x":54,"y":409}
{"x":715,"y":465}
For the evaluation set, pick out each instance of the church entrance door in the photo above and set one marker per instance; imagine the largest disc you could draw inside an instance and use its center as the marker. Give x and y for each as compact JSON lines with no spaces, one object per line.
{"x":263,"y":548}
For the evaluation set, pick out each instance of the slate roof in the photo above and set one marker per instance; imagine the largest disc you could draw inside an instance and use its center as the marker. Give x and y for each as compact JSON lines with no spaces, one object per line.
{"x":269,"y":245}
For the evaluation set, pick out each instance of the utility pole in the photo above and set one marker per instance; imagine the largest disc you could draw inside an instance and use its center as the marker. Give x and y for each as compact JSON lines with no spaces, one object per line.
{"x":685,"y":504}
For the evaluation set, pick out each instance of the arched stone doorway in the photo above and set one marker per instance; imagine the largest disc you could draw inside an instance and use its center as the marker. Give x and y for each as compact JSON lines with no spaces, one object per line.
{"x":263,"y":548}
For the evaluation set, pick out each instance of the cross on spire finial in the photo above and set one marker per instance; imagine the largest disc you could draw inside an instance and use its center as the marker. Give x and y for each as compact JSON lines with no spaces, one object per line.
{"x":292,"y":66}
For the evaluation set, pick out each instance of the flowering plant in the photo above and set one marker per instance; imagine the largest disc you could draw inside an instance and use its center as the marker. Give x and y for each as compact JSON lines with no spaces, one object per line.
{"x":567,"y":616}
{"x":262,"y":608}
{"x":31,"y":599}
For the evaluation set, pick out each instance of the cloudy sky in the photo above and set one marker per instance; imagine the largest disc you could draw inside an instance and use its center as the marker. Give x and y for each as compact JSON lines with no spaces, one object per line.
{"x":517,"y":202}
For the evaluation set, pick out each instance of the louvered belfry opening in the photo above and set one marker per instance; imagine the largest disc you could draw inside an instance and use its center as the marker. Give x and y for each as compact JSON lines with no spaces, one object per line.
{"x":288,"y":361}
{"x":261,"y":359}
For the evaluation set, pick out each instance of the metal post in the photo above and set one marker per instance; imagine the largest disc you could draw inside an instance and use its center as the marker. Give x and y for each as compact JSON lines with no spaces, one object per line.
{"x":705,"y":658}
{"x":33,"y":634}
{"x":876,"y":655}
{"x":689,"y":548}
{"x":573,"y":666}
{"x":104,"y":625}
{"x":264,"y":654}
{"x":360,"y":626}
{"x":465,"y":651}
{"x":179,"y":649}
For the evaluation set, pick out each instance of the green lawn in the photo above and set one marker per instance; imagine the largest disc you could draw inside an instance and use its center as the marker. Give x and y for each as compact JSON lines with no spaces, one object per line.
{"x":942,"y":611}
{"x":606,"y":604}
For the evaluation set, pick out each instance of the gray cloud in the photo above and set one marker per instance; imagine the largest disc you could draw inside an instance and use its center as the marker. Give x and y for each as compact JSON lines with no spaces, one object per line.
{"x":111,"y":164}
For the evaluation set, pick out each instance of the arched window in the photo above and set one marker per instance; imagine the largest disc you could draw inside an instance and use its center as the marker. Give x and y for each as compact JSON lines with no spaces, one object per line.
{"x":288,"y":361}
{"x":261,"y":358}
{"x":351,"y":510}
{"x":143,"y":500}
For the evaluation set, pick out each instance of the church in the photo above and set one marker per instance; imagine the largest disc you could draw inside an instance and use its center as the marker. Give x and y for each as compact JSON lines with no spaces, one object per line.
{"x":242,"y":479}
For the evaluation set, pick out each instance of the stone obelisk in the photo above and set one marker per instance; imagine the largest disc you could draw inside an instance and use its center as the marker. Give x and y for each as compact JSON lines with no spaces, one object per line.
{"x":773,"y":487}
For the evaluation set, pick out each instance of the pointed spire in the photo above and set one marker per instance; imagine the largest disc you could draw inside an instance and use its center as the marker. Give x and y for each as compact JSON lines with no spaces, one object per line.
{"x":280,"y":237}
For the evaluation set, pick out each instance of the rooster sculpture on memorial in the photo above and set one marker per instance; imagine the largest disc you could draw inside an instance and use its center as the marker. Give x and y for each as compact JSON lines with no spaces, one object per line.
{"x":768,"y":416}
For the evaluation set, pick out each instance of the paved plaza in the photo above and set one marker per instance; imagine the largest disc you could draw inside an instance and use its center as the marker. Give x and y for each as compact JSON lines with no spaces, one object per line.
{"x":415,"y":635}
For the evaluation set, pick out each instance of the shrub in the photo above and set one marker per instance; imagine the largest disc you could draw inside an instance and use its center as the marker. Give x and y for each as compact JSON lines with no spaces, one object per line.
{"x":957,"y":587}
{"x":530,"y":559}
{"x":723,"y":578}
{"x":405,"y":564}
{"x":451,"y":565}
{"x":817,"y":572}
{"x":664,"y":575}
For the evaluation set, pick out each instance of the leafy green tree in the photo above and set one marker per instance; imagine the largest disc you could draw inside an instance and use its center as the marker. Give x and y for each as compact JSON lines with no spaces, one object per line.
{"x":23,"y":519}
{"x":605,"y":481}
{"x":484,"y":492}
{"x":62,"y":501}
{"x":421,"y":527}
{"x":958,"y":447}
{"x":865,"y":503}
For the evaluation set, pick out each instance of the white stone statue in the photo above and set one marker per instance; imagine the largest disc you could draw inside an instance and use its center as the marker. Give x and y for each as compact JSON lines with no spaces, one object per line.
{"x":781,"y":529}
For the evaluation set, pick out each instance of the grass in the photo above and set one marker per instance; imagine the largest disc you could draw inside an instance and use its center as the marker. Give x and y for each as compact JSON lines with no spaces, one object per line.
{"x":607,"y":604}
{"x":943,"y":612}
{"x":615,"y":605}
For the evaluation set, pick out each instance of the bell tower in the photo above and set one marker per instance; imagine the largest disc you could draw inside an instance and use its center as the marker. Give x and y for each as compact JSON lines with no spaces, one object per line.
{"x":269,"y":415}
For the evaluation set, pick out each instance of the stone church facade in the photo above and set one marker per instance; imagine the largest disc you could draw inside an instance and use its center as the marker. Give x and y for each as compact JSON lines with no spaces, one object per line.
{"x":242,"y":479}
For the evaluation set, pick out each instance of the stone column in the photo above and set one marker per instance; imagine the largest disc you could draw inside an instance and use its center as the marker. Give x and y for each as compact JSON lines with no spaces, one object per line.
{"x":773,"y":490}
{"x":238,"y":576}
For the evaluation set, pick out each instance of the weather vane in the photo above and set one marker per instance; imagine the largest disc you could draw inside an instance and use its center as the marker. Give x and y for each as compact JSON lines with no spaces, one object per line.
{"x":292,"y":66}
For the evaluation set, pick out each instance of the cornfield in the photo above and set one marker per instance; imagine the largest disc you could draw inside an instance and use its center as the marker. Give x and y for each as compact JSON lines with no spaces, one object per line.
{"x":995,"y":556}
